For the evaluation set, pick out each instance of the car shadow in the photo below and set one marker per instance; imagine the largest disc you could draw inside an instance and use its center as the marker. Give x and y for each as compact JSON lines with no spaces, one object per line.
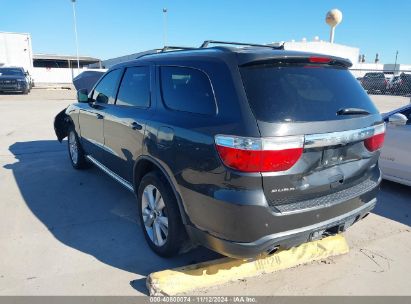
{"x":394,"y":202}
{"x":88,"y":211}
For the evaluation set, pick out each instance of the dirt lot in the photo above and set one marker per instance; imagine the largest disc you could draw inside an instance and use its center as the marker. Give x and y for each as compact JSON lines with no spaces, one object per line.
{"x":65,"y":232}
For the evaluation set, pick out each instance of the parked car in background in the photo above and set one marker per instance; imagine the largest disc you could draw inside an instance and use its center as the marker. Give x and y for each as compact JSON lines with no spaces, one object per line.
{"x":242,"y":150}
{"x":400,"y":85}
{"x":391,"y":82}
{"x":30,"y":80}
{"x":14,"y":79}
{"x":374,"y":83}
{"x":395,"y":159}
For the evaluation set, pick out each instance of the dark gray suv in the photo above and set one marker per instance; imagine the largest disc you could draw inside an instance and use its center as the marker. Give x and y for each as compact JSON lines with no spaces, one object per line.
{"x":14,"y":79}
{"x":243,"y":150}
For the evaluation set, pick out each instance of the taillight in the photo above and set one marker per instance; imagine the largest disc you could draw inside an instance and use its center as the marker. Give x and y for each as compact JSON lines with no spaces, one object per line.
{"x":376,"y":141}
{"x":314,"y":59}
{"x":273,"y":154}
{"x":259,"y":154}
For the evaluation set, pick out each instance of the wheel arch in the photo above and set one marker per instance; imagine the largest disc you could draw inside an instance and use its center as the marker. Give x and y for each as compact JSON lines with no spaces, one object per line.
{"x":62,"y":123}
{"x":145,"y":164}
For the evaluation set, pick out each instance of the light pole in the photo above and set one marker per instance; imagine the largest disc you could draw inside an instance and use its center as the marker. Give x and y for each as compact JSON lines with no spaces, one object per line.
{"x":165,"y":26}
{"x":395,"y":64}
{"x":75,"y":33}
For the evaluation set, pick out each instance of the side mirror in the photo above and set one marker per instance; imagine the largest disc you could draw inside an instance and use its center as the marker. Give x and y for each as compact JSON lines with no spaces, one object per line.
{"x":398,"y":119}
{"x":82,"y":95}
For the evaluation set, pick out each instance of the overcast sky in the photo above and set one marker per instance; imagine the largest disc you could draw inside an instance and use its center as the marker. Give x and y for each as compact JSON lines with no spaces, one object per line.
{"x":109,"y":28}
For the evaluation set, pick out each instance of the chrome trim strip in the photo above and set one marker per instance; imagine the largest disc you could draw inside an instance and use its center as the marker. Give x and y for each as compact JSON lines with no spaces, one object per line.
{"x":109,"y":150}
{"x":319,"y":225}
{"x":310,"y":140}
{"x":101,"y":146}
{"x":339,"y":138}
{"x":110,"y":173}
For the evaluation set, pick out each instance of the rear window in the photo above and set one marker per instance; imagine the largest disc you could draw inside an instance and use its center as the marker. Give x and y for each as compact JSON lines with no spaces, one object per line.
{"x":187,"y":90}
{"x":300,"y":94}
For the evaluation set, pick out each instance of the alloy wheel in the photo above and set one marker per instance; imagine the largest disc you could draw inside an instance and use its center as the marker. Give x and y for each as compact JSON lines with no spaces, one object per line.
{"x":73,"y":147}
{"x":154,"y":215}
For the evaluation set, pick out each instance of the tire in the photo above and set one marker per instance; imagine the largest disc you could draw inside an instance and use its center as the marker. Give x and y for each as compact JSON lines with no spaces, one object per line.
{"x":75,"y":151}
{"x":25,"y":92}
{"x":162,"y":217}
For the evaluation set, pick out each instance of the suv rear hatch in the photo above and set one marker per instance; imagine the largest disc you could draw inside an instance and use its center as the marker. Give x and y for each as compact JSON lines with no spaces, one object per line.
{"x":329,"y":131}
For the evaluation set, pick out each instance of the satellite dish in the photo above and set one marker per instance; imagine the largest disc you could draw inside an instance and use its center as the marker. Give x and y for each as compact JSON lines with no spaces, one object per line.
{"x":333,"y":18}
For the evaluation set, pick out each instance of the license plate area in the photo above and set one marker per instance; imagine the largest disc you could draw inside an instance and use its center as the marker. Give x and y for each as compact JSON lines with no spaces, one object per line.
{"x":337,"y":155}
{"x":333,"y":230}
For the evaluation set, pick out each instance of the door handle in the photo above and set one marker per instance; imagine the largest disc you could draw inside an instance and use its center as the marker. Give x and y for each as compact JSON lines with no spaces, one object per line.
{"x":136,"y":126}
{"x":99,"y":116}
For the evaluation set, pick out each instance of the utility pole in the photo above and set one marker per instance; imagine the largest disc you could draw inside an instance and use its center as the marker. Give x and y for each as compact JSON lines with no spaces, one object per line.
{"x":165,"y":26}
{"x":75,"y":33}
{"x":395,"y":64}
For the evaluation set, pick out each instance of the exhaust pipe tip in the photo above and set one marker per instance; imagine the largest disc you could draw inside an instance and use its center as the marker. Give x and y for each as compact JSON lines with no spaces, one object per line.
{"x":272,"y":250}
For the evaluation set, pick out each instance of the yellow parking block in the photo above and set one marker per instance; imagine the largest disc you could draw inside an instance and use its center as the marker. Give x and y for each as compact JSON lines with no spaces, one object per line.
{"x":184,"y":279}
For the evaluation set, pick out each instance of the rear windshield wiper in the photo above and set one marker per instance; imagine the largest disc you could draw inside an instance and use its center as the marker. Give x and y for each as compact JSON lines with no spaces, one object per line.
{"x":352,"y":111}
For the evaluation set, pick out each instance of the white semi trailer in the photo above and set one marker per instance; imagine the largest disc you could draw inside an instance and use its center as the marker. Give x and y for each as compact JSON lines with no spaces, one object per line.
{"x":16,"y":50}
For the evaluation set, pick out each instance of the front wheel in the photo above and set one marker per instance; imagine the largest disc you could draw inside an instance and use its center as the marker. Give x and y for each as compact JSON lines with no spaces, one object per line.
{"x":77,"y":157}
{"x":160,"y":216}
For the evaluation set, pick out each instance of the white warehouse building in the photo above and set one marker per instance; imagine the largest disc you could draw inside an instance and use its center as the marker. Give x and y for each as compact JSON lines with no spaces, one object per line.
{"x":16,"y":50}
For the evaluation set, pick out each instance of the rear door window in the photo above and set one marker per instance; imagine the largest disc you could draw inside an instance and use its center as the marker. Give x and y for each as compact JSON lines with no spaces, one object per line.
{"x":135,"y":88}
{"x":302,"y":93}
{"x":187,"y":90}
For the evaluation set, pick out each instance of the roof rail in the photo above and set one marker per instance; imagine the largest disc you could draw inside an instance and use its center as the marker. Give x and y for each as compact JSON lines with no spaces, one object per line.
{"x":176,"y":48}
{"x":149,"y":52}
{"x":207,"y":42}
{"x":164,"y":49}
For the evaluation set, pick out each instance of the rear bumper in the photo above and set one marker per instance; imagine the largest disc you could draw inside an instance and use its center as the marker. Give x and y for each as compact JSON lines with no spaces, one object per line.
{"x":284,"y":239}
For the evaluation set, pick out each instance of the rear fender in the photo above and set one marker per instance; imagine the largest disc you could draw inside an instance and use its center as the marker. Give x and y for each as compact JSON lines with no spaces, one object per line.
{"x":62,"y":123}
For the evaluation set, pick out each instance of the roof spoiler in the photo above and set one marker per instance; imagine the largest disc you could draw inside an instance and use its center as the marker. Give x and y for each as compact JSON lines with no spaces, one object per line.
{"x":299,"y":59}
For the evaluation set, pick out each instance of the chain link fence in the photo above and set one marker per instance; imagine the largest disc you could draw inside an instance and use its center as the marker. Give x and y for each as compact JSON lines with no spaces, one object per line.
{"x":385,"y":82}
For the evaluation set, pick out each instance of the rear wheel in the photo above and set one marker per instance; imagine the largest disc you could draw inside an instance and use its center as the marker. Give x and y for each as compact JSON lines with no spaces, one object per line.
{"x":160,"y":216}
{"x":77,"y":157}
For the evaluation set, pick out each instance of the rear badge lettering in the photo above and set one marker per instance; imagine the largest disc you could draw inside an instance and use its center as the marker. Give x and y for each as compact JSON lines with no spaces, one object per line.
{"x":282,"y":190}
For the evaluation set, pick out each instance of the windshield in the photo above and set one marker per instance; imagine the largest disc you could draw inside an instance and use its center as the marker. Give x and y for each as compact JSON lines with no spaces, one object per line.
{"x":302,"y":93}
{"x":11,"y":72}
